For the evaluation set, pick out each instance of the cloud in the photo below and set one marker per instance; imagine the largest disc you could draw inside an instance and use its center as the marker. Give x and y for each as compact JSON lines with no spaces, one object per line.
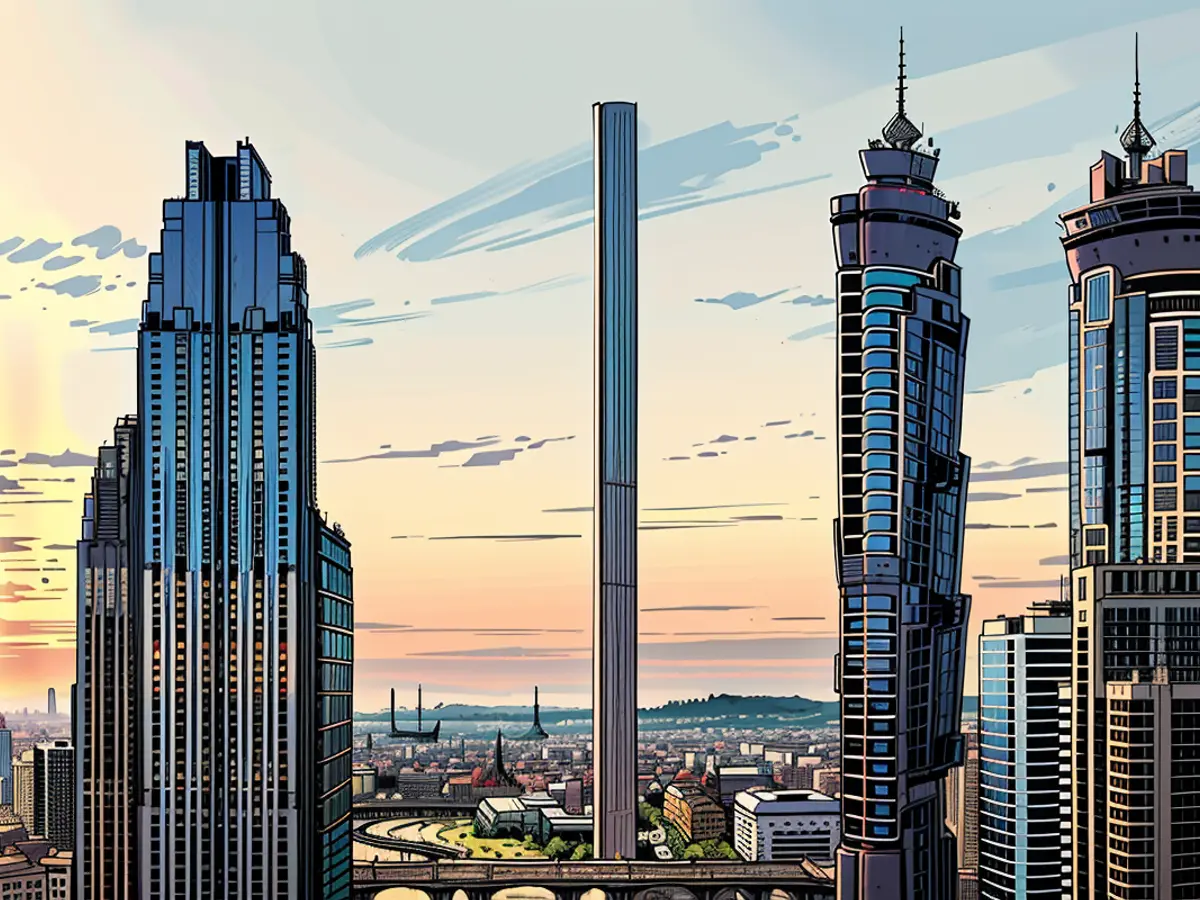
{"x":989,"y":525}
{"x":799,"y":618}
{"x":327,"y":318}
{"x":121,"y":326}
{"x":75,"y":286}
{"x":984,"y":497}
{"x":697,"y":608}
{"x":434,"y":451}
{"x":503,"y":537}
{"x":538,"y":200}
{"x":353,"y":342}
{"x":714,"y":506}
{"x":106,"y":240}
{"x":1063,"y":560}
{"x":9,"y":244}
{"x":560,"y":281}
{"x":1053,"y":489}
{"x":34,"y":250}
{"x":506,"y":652}
{"x":65,"y":459}
{"x":569,"y":509}
{"x":814,"y":331}
{"x":54,"y":263}
{"x":1021,"y":472}
{"x":16,"y":544}
{"x":740,"y":299}
{"x":394,"y":628}
{"x":1045,"y":583}
{"x":811,"y":300}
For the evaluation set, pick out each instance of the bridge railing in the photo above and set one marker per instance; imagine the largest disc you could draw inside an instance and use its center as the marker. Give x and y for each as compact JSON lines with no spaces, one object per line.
{"x":480,"y":871}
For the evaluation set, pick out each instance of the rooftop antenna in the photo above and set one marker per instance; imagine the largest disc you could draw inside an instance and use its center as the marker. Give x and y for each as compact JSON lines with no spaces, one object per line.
{"x":1136,"y":140}
{"x":900,"y":132}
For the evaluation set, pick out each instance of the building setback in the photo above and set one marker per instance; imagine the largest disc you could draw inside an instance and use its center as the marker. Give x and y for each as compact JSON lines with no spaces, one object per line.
{"x":106,"y":619}
{"x":615,"y":630}
{"x":902,"y":342}
{"x":1133,"y":252}
{"x":1022,"y":661}
{"x":245,"y":660}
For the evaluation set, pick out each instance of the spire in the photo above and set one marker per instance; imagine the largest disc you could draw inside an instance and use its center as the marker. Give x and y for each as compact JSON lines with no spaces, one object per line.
{"x":900,"y":132}
{"x":1136,"y":139}
{"x":536,"y":732}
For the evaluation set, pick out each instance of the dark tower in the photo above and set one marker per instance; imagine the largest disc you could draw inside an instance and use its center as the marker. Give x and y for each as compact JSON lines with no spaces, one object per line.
{"x":902,"y":342}
{"x":536,"y":732}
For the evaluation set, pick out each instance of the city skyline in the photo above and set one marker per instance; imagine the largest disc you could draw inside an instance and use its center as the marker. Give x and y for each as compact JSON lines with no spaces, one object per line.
{"x":742,"y":593}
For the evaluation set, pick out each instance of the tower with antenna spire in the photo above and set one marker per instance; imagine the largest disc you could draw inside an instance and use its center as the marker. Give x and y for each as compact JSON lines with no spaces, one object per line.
{"x":902,"y":480}
{"x":1136,"y":138}
{"x":536,"y":732}
{"x":1133,"y":256}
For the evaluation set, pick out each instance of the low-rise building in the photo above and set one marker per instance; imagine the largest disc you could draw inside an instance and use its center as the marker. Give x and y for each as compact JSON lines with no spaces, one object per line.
{"x":554,"y":821}
{"x":696,"y":815}
{"x":786,"y":825}
{"x":364,"y":779}
{"x":828,"y":781}
{"x":505,"y":817}
{"x":58,"y":875}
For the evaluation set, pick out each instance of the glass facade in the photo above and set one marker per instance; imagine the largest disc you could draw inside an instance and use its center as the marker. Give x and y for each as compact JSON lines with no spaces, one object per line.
{"x":1022,"y":661}
{"x":902,"y":343}
{"x":244,"y":684}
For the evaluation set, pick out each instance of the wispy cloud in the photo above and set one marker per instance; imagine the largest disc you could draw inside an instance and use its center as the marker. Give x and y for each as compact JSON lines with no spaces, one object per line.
{"x":479,"y":458}
{"x":697,"y":608}
{"x":67,"y":458}
{"x":106,"y":241}
{"x":1022,"y":472}
{"x":741,"y":299}
{"x":1040,"y":583}
{"x":1062,"y":560}
{"x":539,"y":200}
{"x":504,"y":538}
{"x":986,"y":497}
{"x":989,"y":525}
{"x":813,"y":331}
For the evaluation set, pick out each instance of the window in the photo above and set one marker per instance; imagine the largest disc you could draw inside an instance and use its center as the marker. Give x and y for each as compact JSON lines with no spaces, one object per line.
{"x":1166,"y":347}
{"x":1164,"y":453}
{"x":1099,"y":298}
{"x":1164,"y":474}
{"x":1164,"y":388}
{"x":1165,"y":411}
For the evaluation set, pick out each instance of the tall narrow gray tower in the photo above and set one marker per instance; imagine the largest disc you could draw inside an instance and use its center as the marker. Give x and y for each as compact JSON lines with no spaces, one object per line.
{"x":614,"y":650}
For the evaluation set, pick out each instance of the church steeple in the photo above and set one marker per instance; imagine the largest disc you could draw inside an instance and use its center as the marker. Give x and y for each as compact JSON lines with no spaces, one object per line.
{"x":900,"y":132}
{"x":536,"y":732}
{"x":1136,"y":139}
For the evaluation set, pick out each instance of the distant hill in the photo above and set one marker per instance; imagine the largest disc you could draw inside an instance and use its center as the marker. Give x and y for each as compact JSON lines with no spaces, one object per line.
{"x":717,"y":710}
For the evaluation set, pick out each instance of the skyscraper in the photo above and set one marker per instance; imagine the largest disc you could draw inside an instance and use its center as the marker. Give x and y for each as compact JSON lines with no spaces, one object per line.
{"x":902,"y":342}
{"x":246,"y":594}
{"x":54,"y":793}
{"x":6,"y":764}
{"x":51,"y":703}
{"x":106,"y":619}
{"x":1022,"y":661}
{"x":615,"y":631}
{"x":23,"y":788}
{"x":1133,"y":253}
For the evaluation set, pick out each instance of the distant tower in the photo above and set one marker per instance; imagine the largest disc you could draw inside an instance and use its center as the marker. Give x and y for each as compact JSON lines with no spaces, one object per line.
{"x":51,"y":703}
{"x":902,"y":482}
{"x":614,"y":650}
{"x":370,"y":742}
{"x":6,"y":764}
{"x":536,"y":732}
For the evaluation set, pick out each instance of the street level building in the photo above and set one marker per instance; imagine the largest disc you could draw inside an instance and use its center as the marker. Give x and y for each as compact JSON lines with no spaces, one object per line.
{"x":776,"y":826}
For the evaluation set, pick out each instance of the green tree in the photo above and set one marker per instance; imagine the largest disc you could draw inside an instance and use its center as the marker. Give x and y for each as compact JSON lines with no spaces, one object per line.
{"x":557,"y":848}
{"x":693,"y":851}
{"x":583,"y":851}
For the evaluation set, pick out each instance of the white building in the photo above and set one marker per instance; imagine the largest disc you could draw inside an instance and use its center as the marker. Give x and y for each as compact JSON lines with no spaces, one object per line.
{"x":786,"y":825}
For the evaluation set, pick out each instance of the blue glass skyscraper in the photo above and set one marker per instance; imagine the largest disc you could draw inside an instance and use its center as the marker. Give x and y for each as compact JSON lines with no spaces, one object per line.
{"x":246,"y":629}
{"x":902,"y":342}
{"x":6,"y":764}
{"x":1022,"y":662}
{"x":1133,"y":252}
{"x":615,"y":631}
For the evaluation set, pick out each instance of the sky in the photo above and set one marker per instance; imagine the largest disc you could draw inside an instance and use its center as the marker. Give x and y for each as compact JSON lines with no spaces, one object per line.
{"x":435,"y":160}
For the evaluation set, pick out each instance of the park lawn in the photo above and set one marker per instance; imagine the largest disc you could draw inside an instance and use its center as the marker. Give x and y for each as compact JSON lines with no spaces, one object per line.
{"x":485,"y":848}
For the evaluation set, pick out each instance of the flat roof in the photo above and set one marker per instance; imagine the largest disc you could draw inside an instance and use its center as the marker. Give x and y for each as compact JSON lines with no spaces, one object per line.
{"x":784,"y":802}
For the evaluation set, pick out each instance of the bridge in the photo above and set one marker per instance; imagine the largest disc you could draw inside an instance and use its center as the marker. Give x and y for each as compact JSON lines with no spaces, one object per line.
{"x":703,"y":880}
{"x":431,"y":808}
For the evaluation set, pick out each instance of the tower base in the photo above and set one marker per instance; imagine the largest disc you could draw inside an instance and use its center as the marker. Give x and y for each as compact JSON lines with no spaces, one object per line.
{"x":878,"y":875}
